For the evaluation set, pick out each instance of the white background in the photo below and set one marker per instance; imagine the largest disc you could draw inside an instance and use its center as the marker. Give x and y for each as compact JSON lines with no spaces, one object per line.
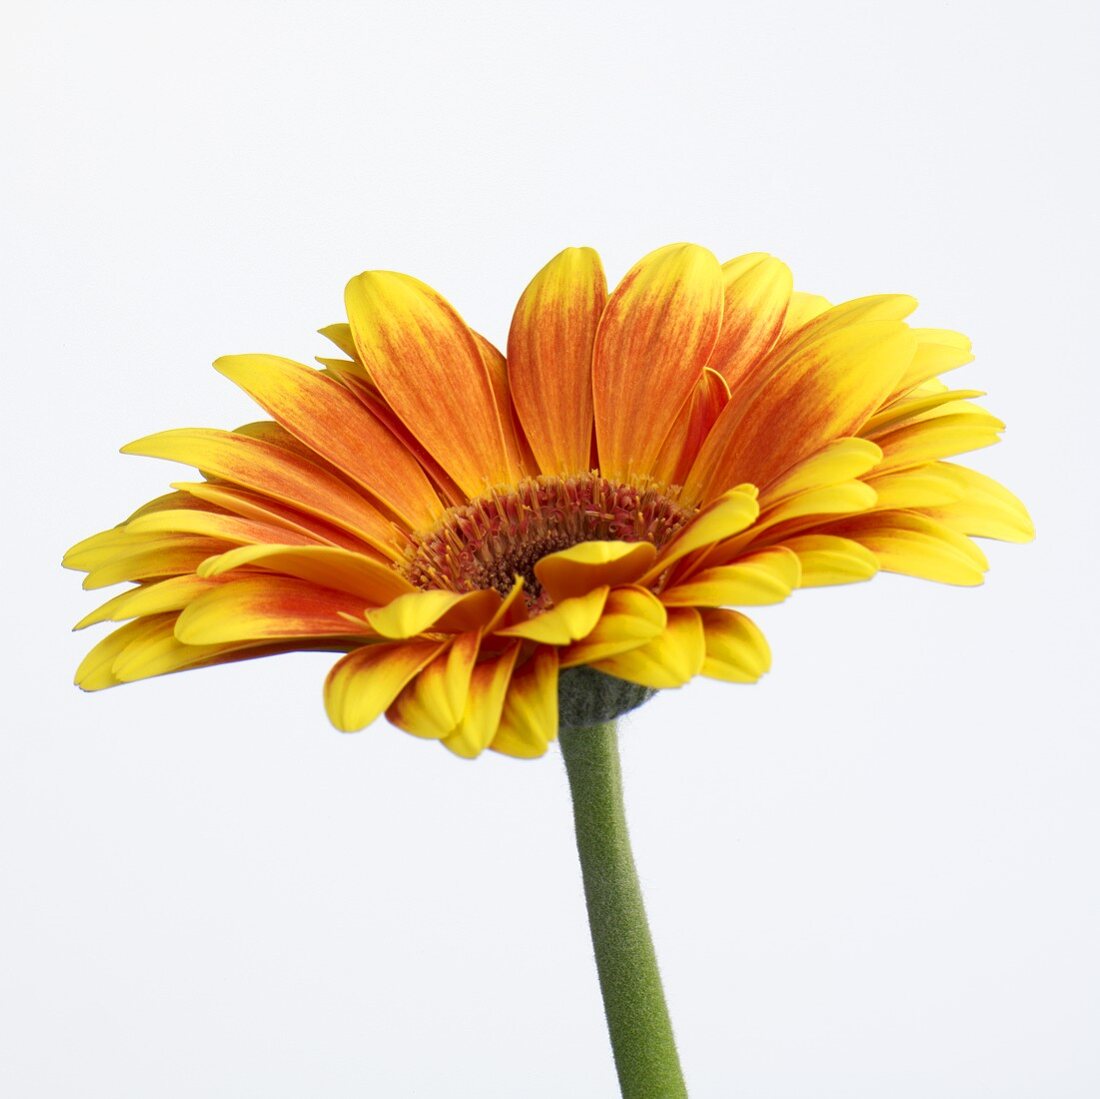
{"x":873,"y":874}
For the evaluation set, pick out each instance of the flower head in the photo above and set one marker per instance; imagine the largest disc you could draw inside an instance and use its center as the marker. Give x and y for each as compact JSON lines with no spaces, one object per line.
{"x":468,"y":528}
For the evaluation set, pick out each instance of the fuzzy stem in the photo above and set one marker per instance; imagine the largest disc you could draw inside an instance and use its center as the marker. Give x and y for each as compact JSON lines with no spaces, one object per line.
{"x":634,"y":1002}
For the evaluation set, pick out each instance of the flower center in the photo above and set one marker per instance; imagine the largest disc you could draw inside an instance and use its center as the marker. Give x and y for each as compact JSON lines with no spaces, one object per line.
{"x":490,"y":541}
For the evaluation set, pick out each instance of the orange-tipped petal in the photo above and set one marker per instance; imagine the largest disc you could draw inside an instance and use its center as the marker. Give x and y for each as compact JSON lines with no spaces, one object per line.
{"x":433,"y":703}
{"x":587,"y":565}
{"x":550,"y":358}
{"x":266,"y":608}
{"x":361,"y":686}
{"x":657,"y":332}
{"x":824,"y":389}
{"x":529,"y":719}
{"x":427,"y":365}
{"x":736,"y":650}
{"x":322,"y":414}
{"x":484,"y":705}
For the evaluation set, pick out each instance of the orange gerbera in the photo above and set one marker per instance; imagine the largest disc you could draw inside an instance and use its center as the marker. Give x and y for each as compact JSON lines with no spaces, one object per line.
{"x":474,"y":531}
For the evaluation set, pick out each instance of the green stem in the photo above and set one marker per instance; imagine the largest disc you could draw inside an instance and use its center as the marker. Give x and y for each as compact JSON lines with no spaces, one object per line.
{"x":634,"y":1002}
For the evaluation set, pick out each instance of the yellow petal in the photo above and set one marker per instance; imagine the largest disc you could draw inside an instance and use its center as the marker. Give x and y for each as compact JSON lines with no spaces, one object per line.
{"x":550,"y":358}
{"x":330,"y":421}
{"x":730,"y":514}
{"x":327,"y":566}
{"x":411,"y":614}
{"x":432,"y":704}
{"x":915,"y":545}
{"x":231,"y":528}
{"x":654,"y":339}
{"x":263,"y":608}
{"x":631,"y":617}
{"x":940,"y":436}
{"x":587,"y":565}
{"x":172,"y":594}
{"x":159,"y":558}
{"x":428,"y":366}
{"x":838,"y":461}
{"x":827,"y":559}
{"x":567,"y":621}
{"x":669,"y":660}
{"x":919,"y":487}
{"x":755,"y":580}
{"x":484,"y":705}
{"x":276,"y":472}
{"x":938,"y":351}
{"x":253,"y":505}
{"x":95,"y":671}
{"x":736,"y":650}
{"x":802,"y":309}
{"x":529,"y":719}
{"x":361,"y":686}
{"x":985,"y":508}
{"x":916,"y":404}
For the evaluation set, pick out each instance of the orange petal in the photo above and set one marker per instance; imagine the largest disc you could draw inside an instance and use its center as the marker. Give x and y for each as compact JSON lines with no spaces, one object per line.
{"x":253,"y":505}
{"x":822,"y":390}
{"x":654,"y":339}
{"x":693,"y":423}
{"x":361,"y":686}
{"x":587,"y":565}
{"x":514,"y":442}
{"x":264,"y":608}
{"x":373,"y":581}
{"x":529,"y":719}
{"x":484,"y":705}
{"x":275,"y":472}
{"x":757,"y":289}
{"x":669,"y":660}
{"x":433,"y":703}
{"x":427,"y":364}
{"x":550,"y":358}
{"x":329,"y":420}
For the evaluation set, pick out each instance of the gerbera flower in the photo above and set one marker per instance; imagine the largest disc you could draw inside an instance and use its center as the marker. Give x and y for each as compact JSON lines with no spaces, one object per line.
{"x":473,"y":530}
